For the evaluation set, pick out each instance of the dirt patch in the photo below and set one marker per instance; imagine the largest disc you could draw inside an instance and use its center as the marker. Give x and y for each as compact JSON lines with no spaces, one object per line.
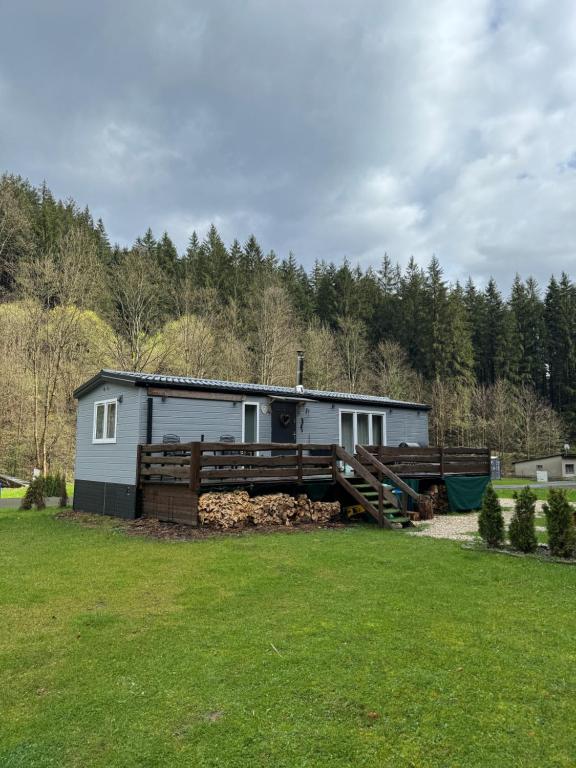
{"x":456,"y":527}
{"x":151,"y":528}
{"x":463,"y":527}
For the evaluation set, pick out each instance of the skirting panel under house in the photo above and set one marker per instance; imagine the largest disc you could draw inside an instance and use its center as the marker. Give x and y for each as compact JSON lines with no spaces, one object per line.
{"x":98,"y":498}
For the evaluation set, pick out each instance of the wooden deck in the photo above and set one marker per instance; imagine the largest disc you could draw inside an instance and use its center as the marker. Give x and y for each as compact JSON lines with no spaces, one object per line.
{"x":171,"y":477}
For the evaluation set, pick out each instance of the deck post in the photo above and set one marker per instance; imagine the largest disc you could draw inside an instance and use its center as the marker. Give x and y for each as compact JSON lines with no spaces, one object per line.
{"x":381,"y":506}
{"x":195,"y":453}
{"x":334,"y":463}
{"x":299,"y":462}
{"x":441,"y":449}
{"x":139,"y":467}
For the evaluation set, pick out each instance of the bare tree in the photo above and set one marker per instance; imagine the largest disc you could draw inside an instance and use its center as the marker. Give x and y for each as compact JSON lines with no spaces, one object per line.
{"x":191,"y":345}
{"x":16,"y":233}
{"x":393,"y":375}
{"x":53,"y":287}
{"x":537,"y":428}
{"x":274,"y":336}
{"x":353,"y":345}
{"x":323,"y":368}
{"x":135,"y":286}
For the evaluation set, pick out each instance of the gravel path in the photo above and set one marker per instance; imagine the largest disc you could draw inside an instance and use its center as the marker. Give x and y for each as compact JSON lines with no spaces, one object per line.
{"x":463,"y":527}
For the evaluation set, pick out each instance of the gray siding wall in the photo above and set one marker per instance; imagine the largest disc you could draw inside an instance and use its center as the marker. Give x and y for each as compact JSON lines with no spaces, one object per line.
{"x":190,"y":419}
{"x":319,"y":422}
{"x":407,"y":426}
{"x":110,"y":462}
{"x":316,"y":422}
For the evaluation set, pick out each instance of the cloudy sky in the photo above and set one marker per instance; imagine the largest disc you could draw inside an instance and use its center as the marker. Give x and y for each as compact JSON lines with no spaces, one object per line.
{"x":324,"y":127}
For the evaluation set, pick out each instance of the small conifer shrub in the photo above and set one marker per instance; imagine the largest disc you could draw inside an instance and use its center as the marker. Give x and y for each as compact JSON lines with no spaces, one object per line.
{"x":560,"y":524}
{"x":522,"y":532}
{"x":490,"y":520}
{"x":35,"y":495}
{"x":55,"y":485}
{"x":63,"y":491}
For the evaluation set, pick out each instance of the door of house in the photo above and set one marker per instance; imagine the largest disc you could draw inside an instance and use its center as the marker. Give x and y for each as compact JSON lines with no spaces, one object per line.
{"x":283,"y":422}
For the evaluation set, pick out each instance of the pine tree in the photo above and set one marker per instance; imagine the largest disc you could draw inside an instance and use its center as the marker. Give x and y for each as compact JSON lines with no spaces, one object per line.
{"x":324,"y":292}
{"x":474,"y":306}
{"x":295,"y":281}
{"x":345,"y":290}
{"x":490,"y":519}
{"x":413,"y":316}
{"x":385,"y":322}
{"x":103,"y":248}
{"x":167,"y":257}
{"x":560,"y":319}
{"x":528,"y":314}
{"x":459,"y":362}
{"x":496,"y":356}
{"x":522,"y":532}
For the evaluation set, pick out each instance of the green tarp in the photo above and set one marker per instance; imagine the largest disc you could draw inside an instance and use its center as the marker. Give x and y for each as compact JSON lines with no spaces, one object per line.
{"x":465,"y":493}
{"x":415,"y":485}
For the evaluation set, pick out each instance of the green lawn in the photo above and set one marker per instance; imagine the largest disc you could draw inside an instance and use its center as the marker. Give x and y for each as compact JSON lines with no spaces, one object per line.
{"x":507,"y":481}
{"x":354,"y":647}
{"x":541,"y":493}
{"x":18,"y":493}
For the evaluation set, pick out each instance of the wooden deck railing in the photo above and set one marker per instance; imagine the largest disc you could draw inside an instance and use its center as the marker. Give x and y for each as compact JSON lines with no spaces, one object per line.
{"x":203,"y":464}
{"x":434,"y":462}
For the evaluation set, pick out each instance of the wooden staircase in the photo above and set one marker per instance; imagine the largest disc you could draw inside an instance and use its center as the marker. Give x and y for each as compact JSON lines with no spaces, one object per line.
{"x":362,"y":476}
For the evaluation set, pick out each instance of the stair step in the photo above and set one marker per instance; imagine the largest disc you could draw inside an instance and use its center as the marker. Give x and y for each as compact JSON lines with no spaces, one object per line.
{"x":367,"y":485}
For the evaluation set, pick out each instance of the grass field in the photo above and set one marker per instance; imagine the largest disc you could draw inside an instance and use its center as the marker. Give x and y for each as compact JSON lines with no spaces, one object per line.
{"x":541,"y":493}
{"x":353,"y":647}
{"x":18,"y":493}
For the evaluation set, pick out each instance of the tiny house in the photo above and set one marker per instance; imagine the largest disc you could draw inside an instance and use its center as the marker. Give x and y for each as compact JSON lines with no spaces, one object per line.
{"x":119,"y":411}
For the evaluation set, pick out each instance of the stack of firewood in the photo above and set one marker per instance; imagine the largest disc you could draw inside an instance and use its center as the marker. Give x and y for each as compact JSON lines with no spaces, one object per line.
{"x":439,"y":496}
{"x":234,"y":510}
{"x":323,"y":511}
{"x":273,"y":509}
{"x":225,"y":510}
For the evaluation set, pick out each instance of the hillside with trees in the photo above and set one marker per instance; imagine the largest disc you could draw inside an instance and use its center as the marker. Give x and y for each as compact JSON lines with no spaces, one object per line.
{"x":498,"y":370}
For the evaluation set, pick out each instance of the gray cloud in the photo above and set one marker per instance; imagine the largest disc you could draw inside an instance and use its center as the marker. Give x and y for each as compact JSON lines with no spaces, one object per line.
{"x":329,"y":128}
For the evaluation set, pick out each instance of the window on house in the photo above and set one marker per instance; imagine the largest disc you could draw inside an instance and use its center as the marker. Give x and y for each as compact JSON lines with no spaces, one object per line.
{"x":250,"y":423}
{"x":361,"y":428}
{"x":539,"y":466}
{"x":104,"y":422}
{"x":568,"y":469}
{"x":377,"y":431}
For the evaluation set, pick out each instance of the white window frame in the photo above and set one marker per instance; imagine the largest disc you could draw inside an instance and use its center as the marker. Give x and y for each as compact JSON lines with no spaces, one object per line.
{"x":566,"y":472}
{"x":244,"y":404}
{"x":355,"y":424}
{"x":106,"y":404}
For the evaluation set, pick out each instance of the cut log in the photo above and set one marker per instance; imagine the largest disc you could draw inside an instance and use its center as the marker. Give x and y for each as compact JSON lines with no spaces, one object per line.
{"x":238,"y":509}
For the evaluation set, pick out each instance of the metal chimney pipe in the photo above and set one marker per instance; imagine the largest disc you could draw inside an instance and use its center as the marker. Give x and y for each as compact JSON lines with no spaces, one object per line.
{"x":300,"y":370}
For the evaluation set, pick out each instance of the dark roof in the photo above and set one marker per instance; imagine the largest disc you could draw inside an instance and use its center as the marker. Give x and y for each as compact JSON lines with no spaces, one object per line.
{"x":213,"y":385}
{"x":550,"y":456}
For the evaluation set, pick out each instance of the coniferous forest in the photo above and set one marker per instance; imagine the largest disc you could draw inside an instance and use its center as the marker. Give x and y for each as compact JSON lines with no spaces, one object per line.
{"x":498,"y":369}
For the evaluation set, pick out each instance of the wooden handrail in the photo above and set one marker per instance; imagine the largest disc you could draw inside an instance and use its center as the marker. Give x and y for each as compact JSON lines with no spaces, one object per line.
{"x":366,"y":475}
{"x":355,"y":493}
{"x":398,"y":482}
